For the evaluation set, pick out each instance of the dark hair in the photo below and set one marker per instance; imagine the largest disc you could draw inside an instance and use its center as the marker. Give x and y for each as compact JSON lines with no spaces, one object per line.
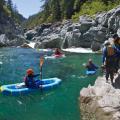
{"x":115,"y":36}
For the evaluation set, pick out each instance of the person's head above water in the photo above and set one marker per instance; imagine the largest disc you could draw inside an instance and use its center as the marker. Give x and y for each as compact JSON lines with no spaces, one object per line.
{"x":30,"y":71}
{"x":90,"y":60}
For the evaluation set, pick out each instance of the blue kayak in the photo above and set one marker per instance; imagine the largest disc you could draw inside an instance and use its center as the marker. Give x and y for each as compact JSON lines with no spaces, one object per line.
{"x":20,"y":88}
{"x":90,"y":72}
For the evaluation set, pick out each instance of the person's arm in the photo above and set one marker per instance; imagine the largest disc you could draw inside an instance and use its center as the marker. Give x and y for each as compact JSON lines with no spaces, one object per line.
{"x":96,"y":67}
{"x":36,"y":75}
{"x":104,"y":55}
{"x":117,"y":49}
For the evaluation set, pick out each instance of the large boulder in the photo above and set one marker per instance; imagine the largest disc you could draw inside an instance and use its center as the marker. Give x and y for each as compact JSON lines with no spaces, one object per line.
{"x":4,"y":41}
{"x":40,"y":28}
{"x":52,"y":41}
{"x":100,"y":101}
{"x":17,"y":41}
{"x":95,"y":46}
{"x":30,"y":34}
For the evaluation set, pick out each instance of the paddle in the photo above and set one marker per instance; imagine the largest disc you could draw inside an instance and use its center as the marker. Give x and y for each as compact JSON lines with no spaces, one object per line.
{"x":41,"y":63}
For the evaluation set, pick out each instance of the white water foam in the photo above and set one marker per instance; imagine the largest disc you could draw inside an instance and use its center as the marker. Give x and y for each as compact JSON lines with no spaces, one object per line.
{"x":32,"y":44}
{"x":78,"y":50}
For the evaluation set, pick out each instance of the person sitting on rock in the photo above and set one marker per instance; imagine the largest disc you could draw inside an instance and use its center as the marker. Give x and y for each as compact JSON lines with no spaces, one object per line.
{"x":91,"y":66}
{"x":116,"y":45}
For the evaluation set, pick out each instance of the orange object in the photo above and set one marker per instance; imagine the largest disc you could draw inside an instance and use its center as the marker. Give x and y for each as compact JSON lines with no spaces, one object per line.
{"x":41,"y":61}
{"x":30,"y":72}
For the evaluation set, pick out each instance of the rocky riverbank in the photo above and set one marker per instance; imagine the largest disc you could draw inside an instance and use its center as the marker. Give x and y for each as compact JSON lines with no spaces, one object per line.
{"x":101,"y":101}
{"x":11,"y":33}
{"x":88,"y":32}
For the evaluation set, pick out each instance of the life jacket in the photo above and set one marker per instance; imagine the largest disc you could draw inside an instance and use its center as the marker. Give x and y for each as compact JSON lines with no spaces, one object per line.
{"x":110,"y":51}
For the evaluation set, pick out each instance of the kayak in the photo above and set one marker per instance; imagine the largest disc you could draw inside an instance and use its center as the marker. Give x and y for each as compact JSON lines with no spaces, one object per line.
{"x":55,"y":56}
{"x":90,"y":72}
{"x":20,"y":88}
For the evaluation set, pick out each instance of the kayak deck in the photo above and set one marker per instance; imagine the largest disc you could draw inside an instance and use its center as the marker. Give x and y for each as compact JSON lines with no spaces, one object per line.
{"x":90,"y":72}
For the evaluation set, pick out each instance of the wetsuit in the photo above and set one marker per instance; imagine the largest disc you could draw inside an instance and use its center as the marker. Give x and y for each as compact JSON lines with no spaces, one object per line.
{"x":110,"y":64}
{"x":30,"y":81}
{"x":91,"y":67}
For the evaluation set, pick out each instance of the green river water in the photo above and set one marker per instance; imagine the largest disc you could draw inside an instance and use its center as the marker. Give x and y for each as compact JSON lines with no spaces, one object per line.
{"x":61,"y":103}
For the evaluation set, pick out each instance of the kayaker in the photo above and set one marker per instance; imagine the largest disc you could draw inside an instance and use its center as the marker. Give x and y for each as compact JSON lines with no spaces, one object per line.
{"x":57,"y":51}
{"x":29,"y":79}
{"x":91,"y":66}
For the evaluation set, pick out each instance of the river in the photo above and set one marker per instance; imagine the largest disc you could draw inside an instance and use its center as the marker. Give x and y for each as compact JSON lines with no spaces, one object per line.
{"x":61,"y":103}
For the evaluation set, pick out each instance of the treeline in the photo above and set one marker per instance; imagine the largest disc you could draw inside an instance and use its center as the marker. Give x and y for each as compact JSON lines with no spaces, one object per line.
{"x":57,"y":10}
{"x":8,"y":9}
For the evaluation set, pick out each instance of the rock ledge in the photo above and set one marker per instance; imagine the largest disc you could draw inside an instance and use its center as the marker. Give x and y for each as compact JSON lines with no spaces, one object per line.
{"x":101,"y":101}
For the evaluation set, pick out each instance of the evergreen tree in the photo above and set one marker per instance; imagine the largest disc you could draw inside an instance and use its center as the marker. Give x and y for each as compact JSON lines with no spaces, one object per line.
{"x":46,"y":9}
{"x":2,"y":3}
{"x":77,"y":5}
{"x":56,"y":11}
{"x":10,"y":5}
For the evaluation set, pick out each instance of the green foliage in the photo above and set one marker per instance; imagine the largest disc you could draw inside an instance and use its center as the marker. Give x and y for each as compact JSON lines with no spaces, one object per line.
{"x":57,"y":10}
{"x":95,"y":6}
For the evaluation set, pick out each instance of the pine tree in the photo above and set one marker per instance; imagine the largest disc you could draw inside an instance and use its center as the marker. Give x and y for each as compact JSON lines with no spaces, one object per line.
{"x":46,"y":9}
{"x":2,"y":3}
{"x":10,"y":5}
{"x":77,"y":5}
{"x":56,"y":11}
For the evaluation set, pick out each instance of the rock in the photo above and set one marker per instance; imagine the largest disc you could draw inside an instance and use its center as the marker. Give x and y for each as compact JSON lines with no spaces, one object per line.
{"x":4,"y":41}
{"x":18,"y":41}
{"x":40,"y":28}
{"x":30,"y":34}
{"x":25,"y":45}
{"x":102,"y":100}
{"x":99,"y":18}
{"x":95,"y":46}
{"x":39,"y":45}
{"x":52,"y":41}
{"x":89,"y":32}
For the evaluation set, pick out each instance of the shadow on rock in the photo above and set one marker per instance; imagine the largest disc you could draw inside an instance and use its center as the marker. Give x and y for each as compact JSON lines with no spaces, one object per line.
{"x":117,"y":82}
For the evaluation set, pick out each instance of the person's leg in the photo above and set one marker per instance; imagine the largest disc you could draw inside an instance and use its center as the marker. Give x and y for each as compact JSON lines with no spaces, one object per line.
{"x":38,"y":83}
{"x":107,"y":74}
{"x":112,"y":77}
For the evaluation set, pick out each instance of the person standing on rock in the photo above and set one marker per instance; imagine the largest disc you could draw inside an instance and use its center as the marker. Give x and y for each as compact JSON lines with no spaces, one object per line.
{"x":109,"y":61}
{"x":116,"y":45}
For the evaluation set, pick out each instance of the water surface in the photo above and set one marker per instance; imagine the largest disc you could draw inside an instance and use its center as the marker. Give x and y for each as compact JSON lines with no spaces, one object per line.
{"x":61,"y":103}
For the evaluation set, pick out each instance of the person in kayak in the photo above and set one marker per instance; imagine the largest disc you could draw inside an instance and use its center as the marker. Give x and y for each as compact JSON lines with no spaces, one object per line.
{"x":30,"y":81}
{"x":57,"y":52}
{"x":91,"y":66}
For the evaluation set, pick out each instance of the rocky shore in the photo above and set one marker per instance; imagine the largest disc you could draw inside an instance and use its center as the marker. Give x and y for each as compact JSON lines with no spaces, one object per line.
{"x":101,"y":101}
{"x":88,"y":32}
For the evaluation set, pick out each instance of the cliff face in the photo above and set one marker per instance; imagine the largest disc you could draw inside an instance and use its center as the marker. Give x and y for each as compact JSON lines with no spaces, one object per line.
{"x":101,"y":101}
{"x":8,"y":25}
{"x":11,"y":34}
{"x":87,"y":32}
